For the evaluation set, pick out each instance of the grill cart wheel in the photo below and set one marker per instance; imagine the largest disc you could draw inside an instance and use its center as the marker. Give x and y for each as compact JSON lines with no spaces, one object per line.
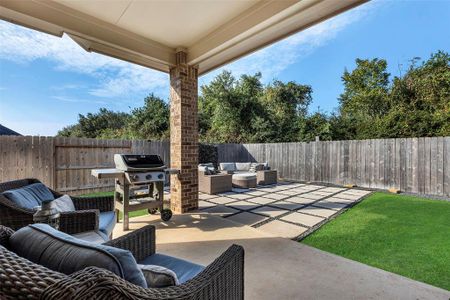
{"x":152,"y":211}
{"x":166,"y":214}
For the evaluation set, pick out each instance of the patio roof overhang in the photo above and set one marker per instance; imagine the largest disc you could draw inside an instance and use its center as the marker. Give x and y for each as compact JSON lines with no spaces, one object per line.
{"x":149,"y":33}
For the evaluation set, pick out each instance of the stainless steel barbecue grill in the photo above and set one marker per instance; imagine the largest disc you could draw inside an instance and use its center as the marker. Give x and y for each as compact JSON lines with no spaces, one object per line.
{"x":139,"y":184}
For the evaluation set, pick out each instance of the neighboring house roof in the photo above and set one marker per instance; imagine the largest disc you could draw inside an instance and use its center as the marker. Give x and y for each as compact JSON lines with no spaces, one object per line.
{"x":6,"y":131}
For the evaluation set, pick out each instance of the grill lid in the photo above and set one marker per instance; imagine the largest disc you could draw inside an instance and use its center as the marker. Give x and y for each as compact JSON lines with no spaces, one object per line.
{"x":137,"y":162}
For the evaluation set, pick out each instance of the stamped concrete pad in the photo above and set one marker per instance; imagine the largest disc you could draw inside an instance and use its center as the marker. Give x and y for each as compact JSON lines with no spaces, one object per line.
{"x":243,"y":205}
{"x":303,"y":219}
{"x":203,"y":196}
{"x":322,"y":212}
{"x":221,"y":210}
{"x":247,"y":218}
{"x":204,"y":204}
{"x":286,"y":205}
{"x":260,"y":200}
{"x":282,"y":229}
{"x":270,"y":211}
{"x":275,"y":196}
{"x":222,"y":200}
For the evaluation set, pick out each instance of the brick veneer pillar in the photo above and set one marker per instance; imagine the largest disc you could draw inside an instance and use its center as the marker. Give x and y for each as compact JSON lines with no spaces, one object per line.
{"x":183,"y":135}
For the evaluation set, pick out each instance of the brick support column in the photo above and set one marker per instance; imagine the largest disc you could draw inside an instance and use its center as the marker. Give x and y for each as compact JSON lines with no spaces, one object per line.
{"x":183,"y":135}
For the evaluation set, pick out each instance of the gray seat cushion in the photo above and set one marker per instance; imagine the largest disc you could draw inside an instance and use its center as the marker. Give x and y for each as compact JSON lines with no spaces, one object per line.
{"x":106,"y":222}
{"x":64,"y":204}
{"x":243,"y":166}
{"x":63,"y":253}
{"x":159,"y":277}
{"x":228,"y":166}
{"x":185,"y":270}
{"x":29,"y":196}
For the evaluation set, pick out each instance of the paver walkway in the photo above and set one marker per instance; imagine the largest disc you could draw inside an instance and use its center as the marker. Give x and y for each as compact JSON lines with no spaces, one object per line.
{"x":288,"y":209}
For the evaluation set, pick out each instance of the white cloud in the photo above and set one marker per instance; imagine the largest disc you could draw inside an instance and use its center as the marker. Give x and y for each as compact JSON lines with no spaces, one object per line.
{"x":77,"y":100}
{"x":112,"y":77}
{"x":272,"y":60}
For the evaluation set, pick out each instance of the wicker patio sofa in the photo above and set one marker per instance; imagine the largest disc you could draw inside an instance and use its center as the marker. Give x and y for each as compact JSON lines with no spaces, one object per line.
{"x":87,"y":216}
{"x":223,"y":279}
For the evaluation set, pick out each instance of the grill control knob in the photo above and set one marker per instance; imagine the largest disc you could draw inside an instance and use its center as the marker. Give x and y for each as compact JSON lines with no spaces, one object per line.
{"x":160,"y":176}
{"x":148,"y":176}
{"x":135,"y":177}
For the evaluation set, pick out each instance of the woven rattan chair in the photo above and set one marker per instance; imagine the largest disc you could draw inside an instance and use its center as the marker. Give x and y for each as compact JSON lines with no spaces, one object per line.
{"x":85,"y":218}
{"x":20,"y":278}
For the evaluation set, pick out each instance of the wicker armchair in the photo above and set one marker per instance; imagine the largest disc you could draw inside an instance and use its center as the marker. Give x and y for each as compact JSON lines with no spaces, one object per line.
{"x":223,"y":279}
{"x":85,"y":218}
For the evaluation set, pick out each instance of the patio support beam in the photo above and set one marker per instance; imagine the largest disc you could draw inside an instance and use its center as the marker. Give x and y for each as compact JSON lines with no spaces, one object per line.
{"x":183,"y":134}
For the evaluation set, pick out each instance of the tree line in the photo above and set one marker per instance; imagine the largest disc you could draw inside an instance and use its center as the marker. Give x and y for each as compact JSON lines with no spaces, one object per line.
{"x":244,"y":110}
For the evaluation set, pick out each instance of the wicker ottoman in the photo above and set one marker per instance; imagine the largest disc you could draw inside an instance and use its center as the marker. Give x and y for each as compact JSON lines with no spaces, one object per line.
{"x":265,"y":177}
{"x":244,"y":180}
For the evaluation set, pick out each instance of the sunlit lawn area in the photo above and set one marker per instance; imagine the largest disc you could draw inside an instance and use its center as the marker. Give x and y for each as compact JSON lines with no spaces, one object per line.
{"x":402,"y":234}
{"x":131,"y":214}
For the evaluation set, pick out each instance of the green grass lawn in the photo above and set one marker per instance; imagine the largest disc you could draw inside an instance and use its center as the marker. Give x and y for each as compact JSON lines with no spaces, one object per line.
{"x":136,"y":213}
{"x":402,"y":234}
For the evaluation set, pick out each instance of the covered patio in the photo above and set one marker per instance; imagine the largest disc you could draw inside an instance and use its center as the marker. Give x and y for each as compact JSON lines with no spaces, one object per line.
{"x":187,"y":39}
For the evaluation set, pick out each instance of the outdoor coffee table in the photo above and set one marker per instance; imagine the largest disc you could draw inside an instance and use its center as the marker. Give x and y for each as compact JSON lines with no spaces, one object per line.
{"x":265,"y":177}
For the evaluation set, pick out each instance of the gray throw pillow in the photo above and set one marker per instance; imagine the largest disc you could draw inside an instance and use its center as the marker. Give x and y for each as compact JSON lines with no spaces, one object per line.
{"x":158,"y":277}
{"x":64,"y":204}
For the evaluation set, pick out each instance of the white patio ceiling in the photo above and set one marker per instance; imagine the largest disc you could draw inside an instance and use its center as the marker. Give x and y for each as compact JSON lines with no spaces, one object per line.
{"x":212,"y":32}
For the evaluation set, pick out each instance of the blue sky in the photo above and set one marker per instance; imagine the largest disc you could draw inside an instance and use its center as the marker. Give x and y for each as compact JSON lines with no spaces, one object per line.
{"x":45,"y":81}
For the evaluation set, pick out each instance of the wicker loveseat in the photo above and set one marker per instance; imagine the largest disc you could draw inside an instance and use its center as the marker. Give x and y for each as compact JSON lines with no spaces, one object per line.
{"x":85,"y":218}
{"x":22,"y":279}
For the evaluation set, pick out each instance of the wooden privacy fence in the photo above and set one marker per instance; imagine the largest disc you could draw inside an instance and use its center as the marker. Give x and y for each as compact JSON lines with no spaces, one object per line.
{"x":65,"y":164}
{"x":417,"y":165}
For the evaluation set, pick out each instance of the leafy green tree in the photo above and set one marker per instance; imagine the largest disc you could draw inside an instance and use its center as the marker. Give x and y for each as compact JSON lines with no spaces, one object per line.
{"x":286,"y":105}
{"x":317,"y":124}
{"x":151,"y":121}
{"x":104,"y":124}
{"x":420,"y":100}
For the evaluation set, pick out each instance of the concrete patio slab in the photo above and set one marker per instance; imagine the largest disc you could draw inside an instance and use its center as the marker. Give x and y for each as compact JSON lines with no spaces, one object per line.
{"x":347,"y":196}
{"x":300,"y":200}
{"x":205,"y":204}
{"x":289,"y":192}
{"x":312,"y":196}
{"x":330,"y":205}
{"x":222,"y":200}
{"x":239,"y":190}
{"x":220,"y":210}
{"x":286,"y":205}
{"x":275,"y":196}
{"x":240,"y":196}
{"x":339,"y":200}
{"x":243,"y":205}
{"x":261,"y":200}
{"x":256,"y":193}
{"x":303,"y":219}
{"x":270,"y":211}
{"x":317,"y":211}
{"x":247,"y":218}
{"x":203,"y":196}
{"x":278,"y":268}
{"x":282,"y":229}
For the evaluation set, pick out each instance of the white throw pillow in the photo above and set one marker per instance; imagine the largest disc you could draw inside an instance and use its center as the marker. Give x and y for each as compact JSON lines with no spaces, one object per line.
{"x":64,"y":204}
{"x":159,"y":277}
